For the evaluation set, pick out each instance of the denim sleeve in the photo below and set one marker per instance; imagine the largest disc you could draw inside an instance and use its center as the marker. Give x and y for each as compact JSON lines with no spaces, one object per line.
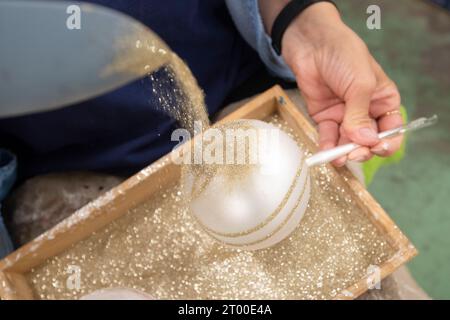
{"x":247,"y":18}
{"x":8,"y":166}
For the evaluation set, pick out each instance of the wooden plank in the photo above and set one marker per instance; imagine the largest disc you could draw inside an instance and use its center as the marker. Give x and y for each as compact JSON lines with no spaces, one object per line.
{"x":387,"y":268}
{"x":260,"y":107}
{"x":14,"y":286}
{"x":91,"y":217}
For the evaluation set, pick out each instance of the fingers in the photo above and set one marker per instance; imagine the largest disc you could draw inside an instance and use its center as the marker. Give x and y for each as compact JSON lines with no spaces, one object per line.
{"x":329,"y":133}
{"x":357,"y":124}
{"x":361,"y":114}
{"x":387,"y":147}
{"x":360,"y":155}
{"x":329,"y":138}
{"x":386,"y":100}
{"x":334,"y":113}
{"x":339,"y":162}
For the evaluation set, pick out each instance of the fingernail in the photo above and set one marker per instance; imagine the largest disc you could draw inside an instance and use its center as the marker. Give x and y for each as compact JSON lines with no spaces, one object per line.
{"x":381,"y":148}
{"x":368,"y":133}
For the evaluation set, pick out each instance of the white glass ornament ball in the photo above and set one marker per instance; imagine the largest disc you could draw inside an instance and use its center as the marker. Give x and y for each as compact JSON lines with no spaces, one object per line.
{"x":266,"y":203}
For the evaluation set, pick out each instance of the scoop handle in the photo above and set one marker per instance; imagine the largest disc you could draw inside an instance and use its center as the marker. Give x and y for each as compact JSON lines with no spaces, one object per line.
{"x":329,"y":155}
{"x":334,"y":153}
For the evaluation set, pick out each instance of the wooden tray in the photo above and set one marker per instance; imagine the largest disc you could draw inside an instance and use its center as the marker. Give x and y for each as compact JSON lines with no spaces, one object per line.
{"x":134,"y":191}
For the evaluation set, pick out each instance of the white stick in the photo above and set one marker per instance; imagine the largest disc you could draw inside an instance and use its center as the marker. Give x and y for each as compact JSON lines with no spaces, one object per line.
{"x":337,"y":152}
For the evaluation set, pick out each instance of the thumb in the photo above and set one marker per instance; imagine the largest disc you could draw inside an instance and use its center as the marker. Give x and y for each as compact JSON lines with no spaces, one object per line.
{"x":358,"y":126}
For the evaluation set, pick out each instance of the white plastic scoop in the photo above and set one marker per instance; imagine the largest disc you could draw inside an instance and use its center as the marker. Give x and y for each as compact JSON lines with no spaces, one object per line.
{"x":337,"y":152}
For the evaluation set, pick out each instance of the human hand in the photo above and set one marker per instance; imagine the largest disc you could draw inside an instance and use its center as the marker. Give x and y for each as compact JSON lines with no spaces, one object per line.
{"x":346,"y":91}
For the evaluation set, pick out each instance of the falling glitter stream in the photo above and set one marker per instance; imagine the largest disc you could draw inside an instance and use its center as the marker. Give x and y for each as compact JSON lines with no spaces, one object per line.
{"x":175,"y":91}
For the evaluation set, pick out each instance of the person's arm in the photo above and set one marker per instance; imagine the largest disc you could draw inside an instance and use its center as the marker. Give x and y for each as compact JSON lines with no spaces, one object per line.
{"x":247,"y":18}
{"x":346,"y":91}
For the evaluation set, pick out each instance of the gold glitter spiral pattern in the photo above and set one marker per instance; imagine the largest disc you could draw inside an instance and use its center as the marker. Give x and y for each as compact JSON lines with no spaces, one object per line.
{"x":277,"y":229}
{"x":269,"y":219}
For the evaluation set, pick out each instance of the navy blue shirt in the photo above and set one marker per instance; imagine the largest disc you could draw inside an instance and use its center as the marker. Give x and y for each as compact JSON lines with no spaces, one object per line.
{"x":122,"y":131}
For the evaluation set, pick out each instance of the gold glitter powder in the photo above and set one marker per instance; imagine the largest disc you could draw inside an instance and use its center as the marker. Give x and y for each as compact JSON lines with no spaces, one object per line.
{"x":159,"y":248}
{"x":232,"y":172}
{"x":176,"y":92}
{"x":179,"y":95}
